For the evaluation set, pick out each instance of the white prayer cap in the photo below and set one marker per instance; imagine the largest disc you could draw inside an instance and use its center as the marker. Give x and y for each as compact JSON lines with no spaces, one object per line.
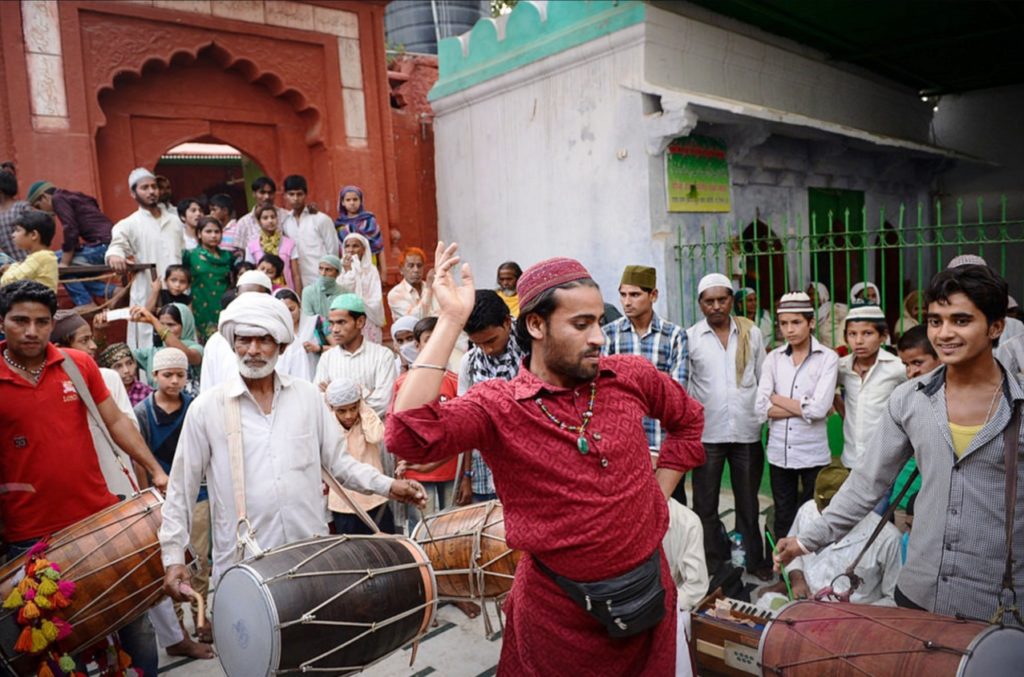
{"x":404,"y":323}
{"x":966,"y":260}
{"x":257,"y":314}
{"x":713,"y":280}
{"x":169,"y":358}
{"x":138,"y":174}
{"x":861,"y":286}
{"x":256,"y":277}
{"x":1012,"y":303}
{"x":342,"y":391}
{"x":795,"y":302}
{"x":865,"y":312}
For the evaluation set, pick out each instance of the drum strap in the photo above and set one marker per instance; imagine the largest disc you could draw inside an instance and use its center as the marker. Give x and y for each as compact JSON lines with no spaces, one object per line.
{"x":84,"y":394}
{"x":246,"y":540}
{"x":1011,"y":447}
{"x":332,"y":482}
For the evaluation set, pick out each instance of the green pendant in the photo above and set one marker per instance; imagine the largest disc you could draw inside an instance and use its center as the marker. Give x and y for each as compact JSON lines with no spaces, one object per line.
{"x":582,"y":445}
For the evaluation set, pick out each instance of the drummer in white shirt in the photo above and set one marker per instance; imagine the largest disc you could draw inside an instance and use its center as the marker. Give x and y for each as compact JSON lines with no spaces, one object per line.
{"x":287,"y":434}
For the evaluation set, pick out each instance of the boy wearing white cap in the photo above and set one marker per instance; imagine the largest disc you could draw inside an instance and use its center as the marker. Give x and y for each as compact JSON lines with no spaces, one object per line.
{"x":363,"y":431}
{"x":867,"y":376}
{"x":726,"y":354}
{"x":795,"y":395}
{"x":149,"y":235}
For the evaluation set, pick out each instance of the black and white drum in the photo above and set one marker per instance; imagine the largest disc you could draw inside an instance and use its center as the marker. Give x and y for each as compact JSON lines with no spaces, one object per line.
{"x":330,"y":605}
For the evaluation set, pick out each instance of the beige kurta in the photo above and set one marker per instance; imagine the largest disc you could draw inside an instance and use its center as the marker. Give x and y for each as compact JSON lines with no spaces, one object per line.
{"x":364,"y":440}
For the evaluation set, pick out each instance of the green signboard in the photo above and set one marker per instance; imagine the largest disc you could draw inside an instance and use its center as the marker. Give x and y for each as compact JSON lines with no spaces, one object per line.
{"x":697,"y":175}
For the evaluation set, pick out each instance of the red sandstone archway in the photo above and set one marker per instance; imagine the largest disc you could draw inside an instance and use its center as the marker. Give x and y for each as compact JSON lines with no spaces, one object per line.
{"x":193,"y":98}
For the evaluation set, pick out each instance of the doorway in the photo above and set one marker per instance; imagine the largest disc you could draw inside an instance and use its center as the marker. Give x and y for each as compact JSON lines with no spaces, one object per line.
{"x":202,"y":170}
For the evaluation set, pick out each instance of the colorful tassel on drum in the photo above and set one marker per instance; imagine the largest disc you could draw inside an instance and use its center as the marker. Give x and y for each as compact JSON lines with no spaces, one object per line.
{"x":45,"y":671}
{"x":38,"y":549}
{"x":43,"y":602}
{"x":67,"y":664}
{"x":24,"y":643}
{"x":27,"y":584}
{"x":47,"y":586}
{"x":63,"y":629}
{"x":30,"y":610}
{"x":14,"y":600}
{"x":60,"y":601}
{"x":52,"y":572}
{"x":124,"y":661}
{"x":39,"y":641}
{"x":50,"y":630}
{"x":67,"y":588}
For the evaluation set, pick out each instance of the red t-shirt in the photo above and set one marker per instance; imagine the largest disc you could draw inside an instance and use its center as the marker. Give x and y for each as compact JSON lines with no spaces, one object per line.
{"x":445,"y":472}
{"x":50,"y":477}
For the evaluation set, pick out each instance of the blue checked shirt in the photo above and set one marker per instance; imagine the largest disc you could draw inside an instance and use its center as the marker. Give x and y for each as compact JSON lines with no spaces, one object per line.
{"x":664,"y":346}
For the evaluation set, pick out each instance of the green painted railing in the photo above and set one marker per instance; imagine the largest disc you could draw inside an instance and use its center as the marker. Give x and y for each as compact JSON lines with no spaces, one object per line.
{"x":898,"y":251}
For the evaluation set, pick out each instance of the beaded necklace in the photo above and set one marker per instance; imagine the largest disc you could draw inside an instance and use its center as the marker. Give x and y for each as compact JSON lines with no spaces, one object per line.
{"x":581,"y":430}
{"x":34,"y":373}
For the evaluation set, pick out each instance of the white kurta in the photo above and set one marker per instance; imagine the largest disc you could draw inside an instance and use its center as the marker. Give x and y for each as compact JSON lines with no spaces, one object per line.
{"x":219,"y":362}
{"x":879,"y":568}
{"x":314,"y":236}
{"x":117,"y":482}
{"x":684,"y":550}
{"x":865,"y":401}
{"x":282,"y":451}
{"x":371,"y":366}
{"x":146,"y":239}
{"x":295,"y":361}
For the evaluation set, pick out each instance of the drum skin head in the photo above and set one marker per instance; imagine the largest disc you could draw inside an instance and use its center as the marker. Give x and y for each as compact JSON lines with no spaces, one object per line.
{"x":248,"y":645}
{"x":993,"y":652}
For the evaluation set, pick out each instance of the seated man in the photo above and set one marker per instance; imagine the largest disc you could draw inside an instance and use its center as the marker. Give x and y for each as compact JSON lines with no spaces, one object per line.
{"x":878,"y":568}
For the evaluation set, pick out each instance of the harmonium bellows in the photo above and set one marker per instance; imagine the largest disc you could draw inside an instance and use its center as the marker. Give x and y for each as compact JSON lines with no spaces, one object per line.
{"x":726,"y":633}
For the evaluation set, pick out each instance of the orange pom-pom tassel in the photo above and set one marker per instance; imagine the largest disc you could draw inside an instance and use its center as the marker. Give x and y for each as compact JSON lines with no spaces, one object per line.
{"x":30,"y":610}
{"x":24,"y":643}
{"x":59,"y":600}
{"x":45,"y":671}
{"x":27,"y":584}
{"x":124,"y":661}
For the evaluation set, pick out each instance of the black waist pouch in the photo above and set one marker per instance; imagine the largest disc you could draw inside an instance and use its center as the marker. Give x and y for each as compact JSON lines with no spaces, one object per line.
{"x":625,"y":605}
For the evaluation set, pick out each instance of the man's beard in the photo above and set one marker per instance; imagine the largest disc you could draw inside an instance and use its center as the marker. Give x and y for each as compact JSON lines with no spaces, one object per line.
{"x":255,"y":372}
{"x":561,"y":362}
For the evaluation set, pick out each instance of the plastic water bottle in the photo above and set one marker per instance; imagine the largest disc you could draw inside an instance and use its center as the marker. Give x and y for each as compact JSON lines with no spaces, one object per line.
{"x":739,"y":554}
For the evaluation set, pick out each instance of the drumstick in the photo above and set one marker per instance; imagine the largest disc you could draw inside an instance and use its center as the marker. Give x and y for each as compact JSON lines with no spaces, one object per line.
{"x":782,"y":567}
{"x":336,"y":487}
{"x":199,"y":602}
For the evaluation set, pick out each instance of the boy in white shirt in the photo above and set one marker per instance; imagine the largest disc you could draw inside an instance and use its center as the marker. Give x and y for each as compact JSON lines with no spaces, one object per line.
{"x":867,"y":376}
{"x":795,"y":394}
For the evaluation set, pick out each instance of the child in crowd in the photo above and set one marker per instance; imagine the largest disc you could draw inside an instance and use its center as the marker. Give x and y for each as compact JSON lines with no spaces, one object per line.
{"x":364,"y":432}
{"x":273,"y":266}
{"x":798,"y":383}
{"x":272,"y":241}
{"x":210,"y":268}
{"x":173,"y":289}
{"x":865,"y":293}
{"x":118,"y":356}
{"x":241,"y":266}
{"x":222,"y":208}
{"x":436,"y":477}
{"x":161,"y":416}
{"x":33,"y":233}
{"x":353,"y":218}
{"x":867,"y":376}
{"x":190,"y":211}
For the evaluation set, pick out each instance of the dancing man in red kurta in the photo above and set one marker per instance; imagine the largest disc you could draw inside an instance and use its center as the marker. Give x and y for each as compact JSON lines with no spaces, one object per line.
{"x":566,"y":442}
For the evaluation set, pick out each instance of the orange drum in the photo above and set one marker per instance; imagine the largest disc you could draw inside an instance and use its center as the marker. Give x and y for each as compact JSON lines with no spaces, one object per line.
{"x":114,"y":559}
{"x":813,"y":639}
{"x":467,"y":549}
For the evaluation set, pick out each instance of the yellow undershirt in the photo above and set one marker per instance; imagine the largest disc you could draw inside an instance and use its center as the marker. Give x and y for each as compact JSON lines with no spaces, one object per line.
{"x":962,"y":436}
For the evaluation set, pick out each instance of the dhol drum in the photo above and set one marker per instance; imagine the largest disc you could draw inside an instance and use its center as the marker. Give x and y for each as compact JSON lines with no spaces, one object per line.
{"x":114,"y":559}
{"x":329,"y":605}
{"x":812,"y":639}
{"x":468,"y":550}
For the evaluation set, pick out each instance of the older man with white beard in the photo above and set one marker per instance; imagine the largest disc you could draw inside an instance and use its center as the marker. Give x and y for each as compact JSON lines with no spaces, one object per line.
{"x":287,"y":433}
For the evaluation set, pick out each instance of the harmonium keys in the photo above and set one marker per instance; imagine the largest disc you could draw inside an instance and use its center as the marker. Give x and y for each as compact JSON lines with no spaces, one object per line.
{"x":726,"y":633}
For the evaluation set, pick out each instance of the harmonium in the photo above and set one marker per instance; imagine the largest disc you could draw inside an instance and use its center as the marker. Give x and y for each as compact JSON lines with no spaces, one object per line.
{"x":726,"y":634}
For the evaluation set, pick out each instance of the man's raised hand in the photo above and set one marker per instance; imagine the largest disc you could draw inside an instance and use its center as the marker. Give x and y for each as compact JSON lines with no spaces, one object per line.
{"x":455,"y":299}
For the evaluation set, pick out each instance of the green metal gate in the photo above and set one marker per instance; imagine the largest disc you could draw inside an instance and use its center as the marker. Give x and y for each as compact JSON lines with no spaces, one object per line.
{"x":897,"y":250}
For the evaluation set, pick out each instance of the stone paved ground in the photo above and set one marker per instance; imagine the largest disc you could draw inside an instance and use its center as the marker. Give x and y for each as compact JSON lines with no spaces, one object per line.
{"x":457,"y":647}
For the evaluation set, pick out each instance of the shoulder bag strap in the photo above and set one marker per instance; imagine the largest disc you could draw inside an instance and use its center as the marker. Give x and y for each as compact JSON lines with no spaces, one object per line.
{"x":244,"y":533}
{"x":1011,"y":448}
{"x":71,"y":369}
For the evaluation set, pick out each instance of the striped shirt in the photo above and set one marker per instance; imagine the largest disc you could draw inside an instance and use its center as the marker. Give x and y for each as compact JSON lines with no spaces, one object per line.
{"x":957,"y":549}
{"x":371,"y":365}
{"x":663,"y":345}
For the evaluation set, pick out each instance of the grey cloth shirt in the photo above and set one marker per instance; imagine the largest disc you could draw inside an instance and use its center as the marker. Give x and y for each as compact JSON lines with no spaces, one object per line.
{"x":957,"y":548}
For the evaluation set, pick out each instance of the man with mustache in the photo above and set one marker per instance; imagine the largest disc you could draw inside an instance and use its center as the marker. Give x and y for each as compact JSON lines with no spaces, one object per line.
{"x":566,"y":443}
{"x":287,"y":433}
{"x":643,"y":332}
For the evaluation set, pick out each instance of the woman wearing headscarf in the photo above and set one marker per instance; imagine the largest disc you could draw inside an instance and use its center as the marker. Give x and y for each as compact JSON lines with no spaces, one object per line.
{"x":865,"y":293}
{"x":354,"y":218}
{"x":747,"y":306}
{"x":175,"y":327}
{"x":829,"y":318}
{"x":300,"y":357}
{"x":360,"y":277}
{"x":911,"y":317}
{"x":317,"y":297}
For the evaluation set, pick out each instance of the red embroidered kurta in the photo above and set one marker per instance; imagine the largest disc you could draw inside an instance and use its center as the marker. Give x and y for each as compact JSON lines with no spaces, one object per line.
{"x":588,"y":517}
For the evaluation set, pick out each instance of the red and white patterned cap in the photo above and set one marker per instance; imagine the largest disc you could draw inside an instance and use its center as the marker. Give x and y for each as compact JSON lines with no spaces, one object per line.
{"x":549,"y":273}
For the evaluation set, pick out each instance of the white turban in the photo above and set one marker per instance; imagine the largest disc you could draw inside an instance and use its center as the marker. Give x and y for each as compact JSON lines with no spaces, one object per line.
{"x":404,"y":323}
{"x":138,"y":174}
{"x":342,"y":391}
{"x":966,"y":260}
{"x":257,"y":314}
{"x":713,"y":280}
{"x":255,"y":277}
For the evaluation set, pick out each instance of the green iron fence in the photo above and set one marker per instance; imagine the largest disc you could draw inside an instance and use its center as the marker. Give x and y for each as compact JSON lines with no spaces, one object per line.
{"x":896,"y":250}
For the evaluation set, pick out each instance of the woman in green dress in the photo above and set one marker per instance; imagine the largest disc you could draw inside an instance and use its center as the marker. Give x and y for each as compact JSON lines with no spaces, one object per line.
{"x":210,"y":267}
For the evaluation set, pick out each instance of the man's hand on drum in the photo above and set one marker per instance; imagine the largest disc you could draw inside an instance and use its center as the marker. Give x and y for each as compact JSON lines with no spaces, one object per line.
{"x":176,"y":583}
{"x":159,"y":481}
{"x":409,"y":491}
{"x":786,"y":550}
